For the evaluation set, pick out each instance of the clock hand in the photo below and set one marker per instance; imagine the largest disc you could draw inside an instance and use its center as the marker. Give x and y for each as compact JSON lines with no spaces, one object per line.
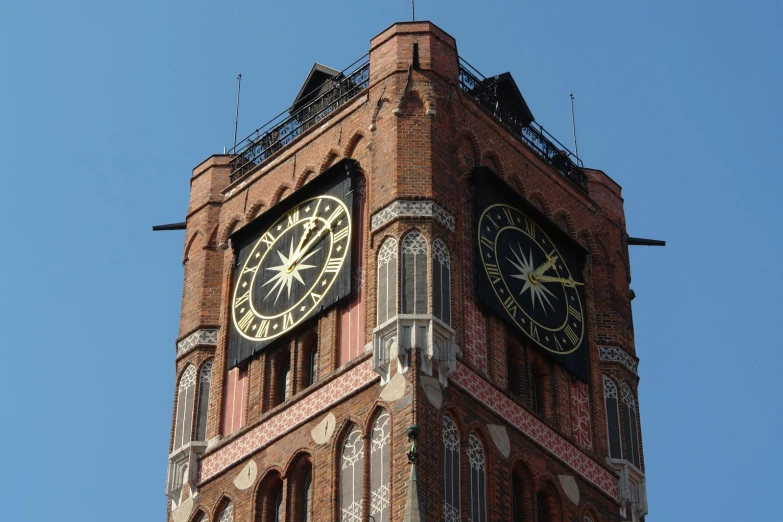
{"x":308,"y":246}
{"x":309,"y":227}
{"x":550,"y":260}
{"x":567,"y":282}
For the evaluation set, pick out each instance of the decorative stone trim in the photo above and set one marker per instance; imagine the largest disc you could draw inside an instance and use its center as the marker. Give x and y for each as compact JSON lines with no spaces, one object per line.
{"x":285,"y":421}
{"x":412,"y":208}
{"x":632,"y":490}
{"x":197,"y":338}
{"x":183,"y":466}
{"x":617,"y":354}
{"x":540,"y":433}
{"x":399,"y":335}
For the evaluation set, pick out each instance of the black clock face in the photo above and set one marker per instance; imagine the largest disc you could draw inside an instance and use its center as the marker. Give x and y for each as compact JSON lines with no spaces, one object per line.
{"x":531,"y":278}
{"x":290,"y":268}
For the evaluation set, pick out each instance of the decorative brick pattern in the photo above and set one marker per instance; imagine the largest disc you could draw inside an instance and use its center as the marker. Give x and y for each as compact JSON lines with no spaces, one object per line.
{"x":581,"y":427}
{"x":285,"y":421}
{"x":474,"y":340}
{"x":405,"y":208}
{"x":197,"y":338}
{"x":525,"y":422}
{"x":617,"y":354}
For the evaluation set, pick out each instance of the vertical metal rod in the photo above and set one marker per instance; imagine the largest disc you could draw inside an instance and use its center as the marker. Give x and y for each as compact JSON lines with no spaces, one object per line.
{"x":236,"y":114}
{"x":573,"y":124}
{"x":413,"y":10}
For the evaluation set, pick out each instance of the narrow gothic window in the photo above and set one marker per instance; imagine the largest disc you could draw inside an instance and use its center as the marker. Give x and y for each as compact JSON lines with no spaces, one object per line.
{"x":517,"y":493}
{"x":313,"y":373}
{"x":539,"y":389}
{"x":441,"y":281}
{"x":279,"y":506}
{"x":227,"y":515}
{"x":307,"y":501}
{"x":204,"y":382}
{"x":351,"y":474}
{"x":629,"y":423}
{"x":285,"y":381}
{"x":236,"y":395}
{"x":352,"y":316}
{"x":477,"y":500}
{"x":414,"y":274}
{"x":541,"y":514}
{"x":379,"y":468}
{"x":387,"y":281}
{"x":451,"y":509}
{"x":270,"y":498}
{"x":588,"y":518}
{"x":612,"y":418}
{"x":185,"y":395}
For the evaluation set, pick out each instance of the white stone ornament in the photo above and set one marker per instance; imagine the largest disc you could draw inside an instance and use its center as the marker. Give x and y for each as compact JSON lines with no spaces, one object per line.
{"x":570,"y":488}
{"x":432,"y":390}
{"x":324,"y":430}
{"x":499,"y":436}
{"x":247,"y":476}
{"x":395,"y":388}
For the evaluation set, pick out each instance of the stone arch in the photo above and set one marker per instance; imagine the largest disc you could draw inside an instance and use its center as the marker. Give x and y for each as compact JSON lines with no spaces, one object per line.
{"x":270,"y":481}
{"x":281,"y":193}
{"x":221,"y":504}
{"x":293,"y":461}
{"x":547,"y":486}
{"x":254,"y":210}
{"x":198,"y":515}
{"x":522,"y":487}
{"x":519,"y":183}
{"x":538,"y":200}
{"x":585,"y":238}
{"x":589,"y":512}
{"x":467,"y":152}
{"x":490,"y":159}
{"x":353,"y":143}
{"x":329,"y":159}
{"x":189,"y":245}
{"x":306,"y":175}
{"x":232,"y":223}
{"x":566,"y":222}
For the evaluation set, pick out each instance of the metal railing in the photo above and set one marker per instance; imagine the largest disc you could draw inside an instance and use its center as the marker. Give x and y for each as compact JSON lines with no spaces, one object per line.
{"x":287,"y":126}
{"x":545,"y":145}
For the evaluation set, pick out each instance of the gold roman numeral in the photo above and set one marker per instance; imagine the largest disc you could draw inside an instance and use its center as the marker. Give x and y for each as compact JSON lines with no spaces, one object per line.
{"x":246,"y":320}
{"x":571,"y":335}
{"x":252,"y":269}
{"x":509,"y":215}
{"x":342,"y":234}
{"x":293,"y":217}
{"x":492,"y":272}
{"x":487,"y":242}
{"x":534,"y":332}
{"x":263,"y":328}
{"x":268,"y":239}
{"x":315,"y":297}
{"x":336,"y":213}
{"x":510,"y":305}
{"x":333,"y":265}
{"x":242,"y":298}
{"x":557,"y":342}
{"x":573,"y":311}
{"x":288,"y":320}
{"x":493,"y":221}
{"x":530,"y":228}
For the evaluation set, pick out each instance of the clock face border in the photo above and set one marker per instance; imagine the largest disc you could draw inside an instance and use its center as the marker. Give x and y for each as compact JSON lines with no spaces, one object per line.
{"x":338,"y":182}
{"x":490,"y":189}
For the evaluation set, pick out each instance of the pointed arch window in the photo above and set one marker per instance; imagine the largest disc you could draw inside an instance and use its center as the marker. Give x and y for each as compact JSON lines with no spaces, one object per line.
{"x":351,"y":476}
{"x":285,"y":377}
{"x":307,"y":500}
{"x":441,"y":281}
{"x":451,"y":498}
{"x":202,"y":409}
{"x":629,"y":423}
{"x":541,"y":513}
{"x":279,"y":506}
{"x":387,"y":280}
{"x":612,"y":418}
{"x":477,"y":481}
{"x":185,"y":395}
{"x":518,"y":494}
{"x":414,"y":274}
{"x":227,"y":515}
{"x":379,"y":468}
{"x":270,"y":498}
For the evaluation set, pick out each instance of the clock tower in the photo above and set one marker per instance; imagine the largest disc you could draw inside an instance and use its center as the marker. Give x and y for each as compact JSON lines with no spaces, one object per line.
{"x":404,"y":301}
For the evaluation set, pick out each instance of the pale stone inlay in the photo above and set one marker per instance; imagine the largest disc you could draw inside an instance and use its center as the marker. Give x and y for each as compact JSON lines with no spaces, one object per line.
{"x":394,"y":389}
{"x":247,"y":476}
{"x":500,"y":438}
{"x":570,"y":488}
{"x":324,"y":430}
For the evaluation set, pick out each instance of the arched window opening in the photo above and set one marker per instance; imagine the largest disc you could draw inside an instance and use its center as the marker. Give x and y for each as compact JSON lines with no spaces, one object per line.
{"x":546,"y":507}
{"x":518,"y":494}
{"x":477,"y":483}
{"x":285,"y":385}
{"x":539,"y":389}
{"x":202,"y":410}
{"x":380,"y":458}
{"x":269,"y":503}
{"x":279,"y":365}
{"x":300,"y":494}
{"x":414,"y":274}
{"x":201,"y":517}
{"x":184,"y":419}
{"x":541,"y":514}
{"x":351,"y":476}
{"x":629,"y":423}
{"x":441,"y":281}
{"x":279,"y":506}
{"x":307,"y":498}
{"x":308,"y":354}
{"x":451,"y":485}
{"x":352,"y":334}
{"x":515,"y":365}
{"x":227,"y":514}
{"x":612,"y":418}
{"x":387,"y":281}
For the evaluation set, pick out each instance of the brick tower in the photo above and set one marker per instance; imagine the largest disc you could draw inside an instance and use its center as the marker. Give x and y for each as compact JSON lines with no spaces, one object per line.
{"x":403,"y":301}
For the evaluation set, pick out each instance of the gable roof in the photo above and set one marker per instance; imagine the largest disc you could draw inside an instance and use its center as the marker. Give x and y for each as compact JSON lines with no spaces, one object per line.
{"x":509,"y":93}
{"x":316,"y":80}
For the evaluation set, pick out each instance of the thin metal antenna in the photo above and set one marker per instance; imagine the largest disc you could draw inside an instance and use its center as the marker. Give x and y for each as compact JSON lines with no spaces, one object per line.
{"x":236,"y":114}
{"x":413,"y":10}
{"x":573,"y":124}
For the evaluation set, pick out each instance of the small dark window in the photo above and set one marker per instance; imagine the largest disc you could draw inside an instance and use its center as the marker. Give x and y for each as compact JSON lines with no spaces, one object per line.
{"x":629,"y":423}
{"x":541,"y":514}
{"x":279,"y":506}
{"x":414,"y":274}
{"x":285,"y":381}
{"x":313,"y":376}
{"x":307,"y":498}
{"x":539,"y":389}
{"x":204,"y":382}
{"x":612,"y":418}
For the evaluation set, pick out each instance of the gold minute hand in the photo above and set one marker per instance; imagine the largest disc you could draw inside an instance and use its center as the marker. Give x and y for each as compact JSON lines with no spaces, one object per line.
{"x":550,"y":260}
{"x":308,"y":246}
{"x":567,"y":282}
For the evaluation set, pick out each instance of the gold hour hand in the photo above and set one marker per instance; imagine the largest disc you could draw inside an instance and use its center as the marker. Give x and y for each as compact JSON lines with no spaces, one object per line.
{"x":550,"y":260}
{"x":567,"y":282}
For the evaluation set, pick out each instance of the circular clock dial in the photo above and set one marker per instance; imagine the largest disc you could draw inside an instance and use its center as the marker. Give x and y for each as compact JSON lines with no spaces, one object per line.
{"x":531,"y":279}
{"x":291,"y":267}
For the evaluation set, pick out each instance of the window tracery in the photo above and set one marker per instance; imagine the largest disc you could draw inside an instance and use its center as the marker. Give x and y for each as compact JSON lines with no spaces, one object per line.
{"x":612,"y":418}
{"x":185,"y":397}
{"x":477,"y":499}
{"x":451,"y":483}
{"x":387,"y":280}
{"x":379,"y":468}
{"x":414,"y":274}
{"x":202,"y":409}
{"x":441,"y":281}
{"x":351,"y":473}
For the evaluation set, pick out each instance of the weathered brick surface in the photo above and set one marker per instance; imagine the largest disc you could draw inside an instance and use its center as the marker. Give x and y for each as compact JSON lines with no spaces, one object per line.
{"x":404,"y":152}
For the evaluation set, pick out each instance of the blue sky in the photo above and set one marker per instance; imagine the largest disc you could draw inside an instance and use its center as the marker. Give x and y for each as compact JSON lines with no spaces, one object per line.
{"x":105,"y":107}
